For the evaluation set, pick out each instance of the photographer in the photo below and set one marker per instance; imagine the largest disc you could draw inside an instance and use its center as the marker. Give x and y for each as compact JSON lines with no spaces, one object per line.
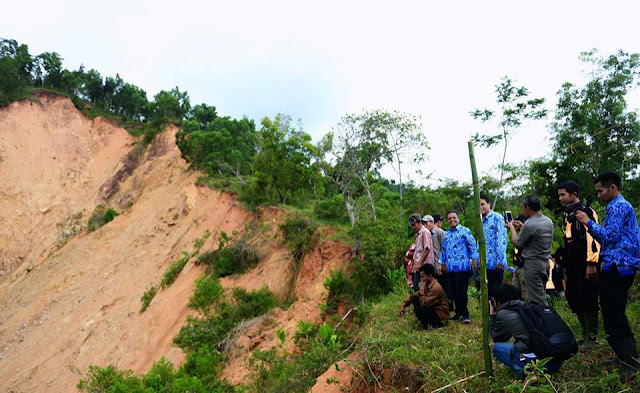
{"x":581,"y":262}
{"x":534,"y":241}
{"x":620,"y":260}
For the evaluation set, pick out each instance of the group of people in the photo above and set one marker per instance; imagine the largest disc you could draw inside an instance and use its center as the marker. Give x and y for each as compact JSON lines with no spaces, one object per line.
{"x":599,"y":263}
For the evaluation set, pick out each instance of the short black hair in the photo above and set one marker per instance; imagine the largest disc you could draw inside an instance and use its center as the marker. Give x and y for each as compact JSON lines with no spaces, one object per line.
{"x":532,"y":202}
{"x":506,"y":292}
{"x":428,"y":269}
{"x":414,"y":219}
{"x":608,"y":178}
{"x":569,"y":186}
{"x":437,"y":217}
{"x":452,"y":211}
{"x":486,"y":198}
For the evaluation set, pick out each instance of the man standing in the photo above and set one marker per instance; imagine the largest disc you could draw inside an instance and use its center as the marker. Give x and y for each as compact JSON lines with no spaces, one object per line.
{"x":534,"y":241}
{"x":620,"y":260}
{"x":495,"y":234}
{"x":423,"y":252}
{"x":437,"y":219}
{"x":580,"y":261}
{"x":458,"y":253}
{"x":430,"y":303}
{"x":437,"y":237}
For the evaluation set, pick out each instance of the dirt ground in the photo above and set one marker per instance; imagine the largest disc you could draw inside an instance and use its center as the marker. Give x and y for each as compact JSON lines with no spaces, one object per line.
{"x":71,"y":298}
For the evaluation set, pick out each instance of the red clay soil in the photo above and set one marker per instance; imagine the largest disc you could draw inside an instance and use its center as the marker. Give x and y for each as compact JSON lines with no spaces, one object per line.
{"x":71,"y":298}
{"x":64,"y":307}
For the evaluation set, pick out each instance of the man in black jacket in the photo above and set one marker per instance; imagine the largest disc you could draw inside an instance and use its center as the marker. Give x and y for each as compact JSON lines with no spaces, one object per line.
{"x":506,"y":323}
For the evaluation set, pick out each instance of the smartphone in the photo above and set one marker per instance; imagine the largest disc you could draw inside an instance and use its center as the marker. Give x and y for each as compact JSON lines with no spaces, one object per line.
{"x":508,"y":217}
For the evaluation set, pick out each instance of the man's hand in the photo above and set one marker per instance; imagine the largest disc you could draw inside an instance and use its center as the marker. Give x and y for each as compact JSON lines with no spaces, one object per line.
{"x":517,"y":224}
{"x":508,"y":224}
{"x":492,"y":309}
{"x":442,"y":269}
{"x":421,"y":285}
{"x":402,"y":311}
{"x":582,"y":217}
{"x":592,"y":274}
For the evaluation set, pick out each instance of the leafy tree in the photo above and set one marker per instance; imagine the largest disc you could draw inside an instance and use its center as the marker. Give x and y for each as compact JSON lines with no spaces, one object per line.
{"x":284,"y":158}
{"x":170,"y":105}
{"x":594,"y":131}
{"x":48,"y":69}
{"x":514,"y":108}
{"x":15,"y":69}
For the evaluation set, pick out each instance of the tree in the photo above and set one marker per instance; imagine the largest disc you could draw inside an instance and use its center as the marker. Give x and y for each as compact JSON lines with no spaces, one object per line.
{"x":172,"y":105}
{"x":49,"y":69}
{"x":15,"y":69}
{"x":593,"y":130}
{"x":284,"y":157}
{"x":514,"y":108}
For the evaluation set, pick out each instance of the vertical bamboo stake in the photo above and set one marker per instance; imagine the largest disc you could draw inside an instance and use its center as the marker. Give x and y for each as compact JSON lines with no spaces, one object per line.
{"x":484,"y":300}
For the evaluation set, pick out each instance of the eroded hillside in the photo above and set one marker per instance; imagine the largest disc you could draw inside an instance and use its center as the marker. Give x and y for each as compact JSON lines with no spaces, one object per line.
{"x":70,"y":298}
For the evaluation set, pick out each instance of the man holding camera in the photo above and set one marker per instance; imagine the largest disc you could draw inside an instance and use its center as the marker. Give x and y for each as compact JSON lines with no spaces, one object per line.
{"x":580,"y":261}
{"x":534,"y":241}
{"x":620,"y":260}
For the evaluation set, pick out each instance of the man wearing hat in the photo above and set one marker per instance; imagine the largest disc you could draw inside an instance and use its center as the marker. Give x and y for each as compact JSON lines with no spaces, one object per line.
{"x":424,"y":248}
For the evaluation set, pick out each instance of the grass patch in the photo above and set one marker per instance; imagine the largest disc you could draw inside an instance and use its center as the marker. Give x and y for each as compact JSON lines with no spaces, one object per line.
{"x":403,"y":356}
{"x":147,"y":297}
{"x":101,"y":216}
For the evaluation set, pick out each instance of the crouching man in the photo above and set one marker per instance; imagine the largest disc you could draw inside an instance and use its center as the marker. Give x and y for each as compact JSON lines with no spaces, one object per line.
{"x":430,"y":303}
{"x":506,"y":322}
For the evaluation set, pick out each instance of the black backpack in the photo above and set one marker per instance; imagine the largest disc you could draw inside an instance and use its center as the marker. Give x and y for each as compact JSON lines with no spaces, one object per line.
{"x":549,"y":335}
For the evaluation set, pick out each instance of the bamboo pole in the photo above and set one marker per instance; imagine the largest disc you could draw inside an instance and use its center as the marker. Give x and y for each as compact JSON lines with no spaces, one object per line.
{"x":484,"y":300}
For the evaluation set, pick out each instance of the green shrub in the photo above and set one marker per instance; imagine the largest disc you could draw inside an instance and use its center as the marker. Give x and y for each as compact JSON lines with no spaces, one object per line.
{"x":340,"y":288}
{"x":174,"y":269}
{"x":206,"y":294}
{"x":101,"y":216}
{"x":226,"y":261}
{"x":332,"y":209}
{"x":147,"y":297}
{"x":109,"y":379}
{"x":299,"y":235}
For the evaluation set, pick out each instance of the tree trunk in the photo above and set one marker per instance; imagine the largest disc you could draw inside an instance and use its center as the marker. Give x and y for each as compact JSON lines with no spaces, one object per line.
{"x":350,"y":211}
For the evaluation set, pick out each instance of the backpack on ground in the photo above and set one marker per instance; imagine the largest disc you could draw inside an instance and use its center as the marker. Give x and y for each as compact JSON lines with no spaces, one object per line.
{"x":549,"y":335}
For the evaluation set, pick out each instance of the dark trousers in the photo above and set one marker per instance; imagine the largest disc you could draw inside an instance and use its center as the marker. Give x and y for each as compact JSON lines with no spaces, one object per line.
{"x":443,"y":280}
{"x":415,"y":280}
{"x":459,"y":284}
{"x":495,"y":277}
{"x":426,"y":315}
{"x":613,"y":299}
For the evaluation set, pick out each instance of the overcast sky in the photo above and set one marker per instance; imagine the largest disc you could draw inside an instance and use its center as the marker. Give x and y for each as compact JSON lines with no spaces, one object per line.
{"x":318,"y":61}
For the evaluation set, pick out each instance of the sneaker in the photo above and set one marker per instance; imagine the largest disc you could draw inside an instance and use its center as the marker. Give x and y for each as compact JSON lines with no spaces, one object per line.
{"x":466,"y":320}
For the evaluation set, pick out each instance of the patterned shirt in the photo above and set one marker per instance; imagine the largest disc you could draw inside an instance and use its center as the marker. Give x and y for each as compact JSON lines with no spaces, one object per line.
{"x":618,"y":237}
{"x":458,"y":247}
{"x":495,"y":234}
{"x":423,"y":245}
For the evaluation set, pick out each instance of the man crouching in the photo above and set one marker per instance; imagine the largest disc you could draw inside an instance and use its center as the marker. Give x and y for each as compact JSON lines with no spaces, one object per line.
{"x":430,"y":303}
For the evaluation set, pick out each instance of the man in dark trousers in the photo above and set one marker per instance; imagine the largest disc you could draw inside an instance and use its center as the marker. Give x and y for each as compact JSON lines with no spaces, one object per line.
{"x":581,"y":264}
{"x":535,"y":240}
{"x":620,"y":260}
{"x":423,"y":252}
{"x":430,"y":303}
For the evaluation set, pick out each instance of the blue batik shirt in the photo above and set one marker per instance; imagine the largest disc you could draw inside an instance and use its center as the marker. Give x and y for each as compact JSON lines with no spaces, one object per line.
{"x":495,"y":235}
{"x":618,"y":237}
{"x":458,"y":247}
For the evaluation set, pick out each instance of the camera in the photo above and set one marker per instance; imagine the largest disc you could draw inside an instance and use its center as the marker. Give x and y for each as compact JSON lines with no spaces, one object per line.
{"x":573,"y":208}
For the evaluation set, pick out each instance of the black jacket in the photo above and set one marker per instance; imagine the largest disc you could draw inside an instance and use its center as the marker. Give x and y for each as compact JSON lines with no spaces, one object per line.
{"x":507,"y":323}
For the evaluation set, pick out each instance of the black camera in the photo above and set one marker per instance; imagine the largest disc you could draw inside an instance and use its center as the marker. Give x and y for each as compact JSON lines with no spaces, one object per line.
{"x":573,"y":208}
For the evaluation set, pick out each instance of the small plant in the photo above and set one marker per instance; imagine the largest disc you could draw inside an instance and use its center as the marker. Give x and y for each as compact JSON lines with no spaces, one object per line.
{"x":305,"y":331}
{"x":299,"y":235}
{"x":101,"y":216}
{"x":207,"y":293}
{"x":282,"y":336}
{"x":340,"y":288}
{"x":174,"y":269}
{"x":147,"y":297}
{"x":199,"y":242}
{"x":396,"y":278}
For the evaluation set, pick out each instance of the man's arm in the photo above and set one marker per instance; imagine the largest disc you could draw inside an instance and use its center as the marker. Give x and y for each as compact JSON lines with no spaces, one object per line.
{"x":497,"y":329}
{"x":425,"y":248}
{"x":502,"y":240}
{"x":472,"y":248}
{"x":612,"y":232}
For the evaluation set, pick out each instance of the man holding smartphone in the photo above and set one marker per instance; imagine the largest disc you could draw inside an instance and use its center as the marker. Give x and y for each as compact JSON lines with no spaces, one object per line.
{"x":534,"y":241}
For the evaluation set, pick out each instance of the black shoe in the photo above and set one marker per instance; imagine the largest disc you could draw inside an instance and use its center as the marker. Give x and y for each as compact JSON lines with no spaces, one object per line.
{"x":610,"y":361}
{"x":628,"y":373}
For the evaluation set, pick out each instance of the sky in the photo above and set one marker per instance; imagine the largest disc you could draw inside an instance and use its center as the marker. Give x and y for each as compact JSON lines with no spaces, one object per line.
{"x":318,"y":61}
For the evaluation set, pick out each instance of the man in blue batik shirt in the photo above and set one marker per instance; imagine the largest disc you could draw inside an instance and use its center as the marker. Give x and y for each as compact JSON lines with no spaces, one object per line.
{"x":620,"y":259}
{"x":495,"y":234}
{"x":458,"y":252}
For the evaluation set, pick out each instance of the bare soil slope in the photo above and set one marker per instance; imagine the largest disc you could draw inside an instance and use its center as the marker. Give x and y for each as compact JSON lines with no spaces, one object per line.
{"x":65,"y":305}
